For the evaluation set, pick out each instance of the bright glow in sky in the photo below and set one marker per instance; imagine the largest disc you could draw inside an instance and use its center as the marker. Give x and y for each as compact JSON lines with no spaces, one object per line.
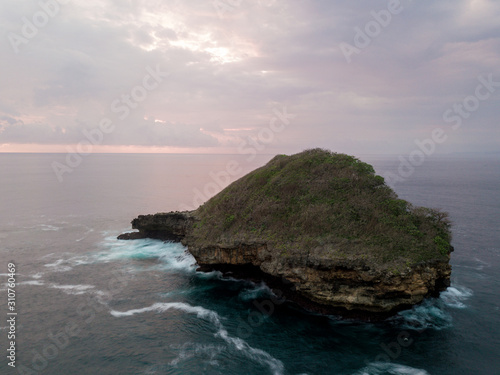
{"x":185,"y":76}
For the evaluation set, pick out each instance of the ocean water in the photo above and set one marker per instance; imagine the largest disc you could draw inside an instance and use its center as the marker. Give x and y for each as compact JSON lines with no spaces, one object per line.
{"x":90,"y":304}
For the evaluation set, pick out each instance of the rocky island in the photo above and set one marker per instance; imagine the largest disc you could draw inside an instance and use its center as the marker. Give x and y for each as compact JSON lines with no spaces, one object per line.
{"x":323,"y":229}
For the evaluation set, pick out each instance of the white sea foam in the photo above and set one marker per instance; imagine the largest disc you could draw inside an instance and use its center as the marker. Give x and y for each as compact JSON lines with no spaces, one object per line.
{"x":384,"y":368}
{"x":46,"y":227}
{"x":170,"y":255}
{"x":59,"y":265}
{"x":242,"y":346}
{"x":213,"y":275}
{"x":65,"y":265}
{"x":257,"y":291}
{"x":184,"y":261}
{"x":434,"y":313}
{"x":31,"y":282}
{"x":28,"y":282}
{"x":455,"y":296}
{"x":73,"y":289}
{"x":201,"y":312}
{"x":79,"y":260}
{"x":428,"y":315}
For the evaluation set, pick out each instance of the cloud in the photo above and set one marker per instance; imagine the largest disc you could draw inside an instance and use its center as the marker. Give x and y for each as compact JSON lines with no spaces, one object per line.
{"x":229,"y":69}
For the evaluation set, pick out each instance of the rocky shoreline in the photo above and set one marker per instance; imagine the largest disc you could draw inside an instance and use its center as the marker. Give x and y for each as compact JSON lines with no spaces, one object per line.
{"x":323,"y":230}
{"x":350,"y":289}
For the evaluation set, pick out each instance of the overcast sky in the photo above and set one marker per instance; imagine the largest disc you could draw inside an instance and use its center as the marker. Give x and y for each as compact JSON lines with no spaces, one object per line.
{"x":203,"y":76}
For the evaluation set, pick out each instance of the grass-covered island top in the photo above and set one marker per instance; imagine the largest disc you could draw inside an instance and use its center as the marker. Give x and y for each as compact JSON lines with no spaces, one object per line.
{"x":323,"y":227}
{"x":320,"y":199}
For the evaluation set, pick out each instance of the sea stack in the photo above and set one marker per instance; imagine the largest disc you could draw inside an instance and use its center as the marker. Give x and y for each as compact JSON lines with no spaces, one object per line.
{"x":323,"y":229}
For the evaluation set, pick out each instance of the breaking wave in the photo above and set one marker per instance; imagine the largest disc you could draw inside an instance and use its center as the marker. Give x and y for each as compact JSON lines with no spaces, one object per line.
{"x":258,"y":291}
{"x":257,"y":355}
{"x":434,"y":313}
{"x":383,"y":368}
{"x":170,"y":255}
{"x":456,"y":296}
{"x":73,"y":289}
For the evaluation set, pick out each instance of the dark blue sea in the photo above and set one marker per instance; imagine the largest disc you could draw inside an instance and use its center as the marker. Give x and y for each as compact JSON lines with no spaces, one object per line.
{"x":88,"y":303}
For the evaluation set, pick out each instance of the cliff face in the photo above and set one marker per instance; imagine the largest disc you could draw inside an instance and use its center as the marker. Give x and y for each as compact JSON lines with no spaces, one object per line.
{"x":322,"y":229}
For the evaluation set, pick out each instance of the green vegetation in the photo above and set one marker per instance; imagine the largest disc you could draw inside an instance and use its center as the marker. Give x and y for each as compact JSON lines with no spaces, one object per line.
{"x":329,"y":203}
